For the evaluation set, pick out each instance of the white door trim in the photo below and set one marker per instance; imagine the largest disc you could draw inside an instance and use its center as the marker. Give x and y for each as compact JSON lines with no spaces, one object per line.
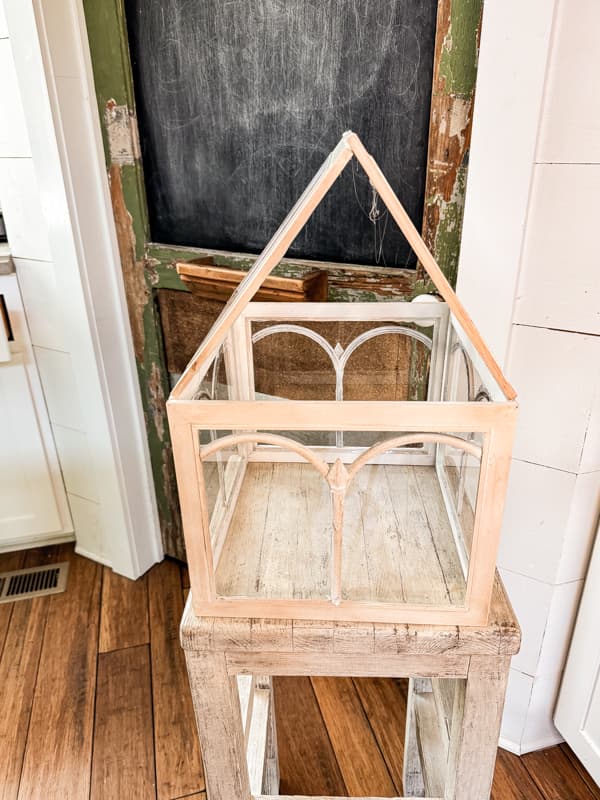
{"x":51,"y":53}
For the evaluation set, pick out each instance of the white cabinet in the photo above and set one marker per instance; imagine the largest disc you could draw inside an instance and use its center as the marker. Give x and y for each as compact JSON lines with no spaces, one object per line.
{"x":33,"y":504}
{"x":578,"y":710}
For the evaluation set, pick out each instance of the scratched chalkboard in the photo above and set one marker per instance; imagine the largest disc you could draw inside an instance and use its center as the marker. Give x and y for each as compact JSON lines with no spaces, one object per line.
{"x":239,"y":102}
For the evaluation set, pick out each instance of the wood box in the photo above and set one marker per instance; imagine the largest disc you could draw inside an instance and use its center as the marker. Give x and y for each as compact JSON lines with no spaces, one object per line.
{"x":212,"y":282}
{"x":357,"y":501}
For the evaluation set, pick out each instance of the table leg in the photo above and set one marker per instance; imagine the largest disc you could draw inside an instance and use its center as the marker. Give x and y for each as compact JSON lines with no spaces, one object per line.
{"x":477,"y":716}
{"x":219,"y":721}
{"x":412,"y":775}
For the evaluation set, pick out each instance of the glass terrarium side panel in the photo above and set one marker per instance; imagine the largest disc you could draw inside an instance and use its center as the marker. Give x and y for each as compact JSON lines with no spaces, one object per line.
{"x":341,"y":359}
{"x":398,"y":540}
{"x":278,"y":540}
{"x":459,"y":476}
{"x":466,"y":376}
{"x":462,"y":382}
{"x":216,"y":380}
{"x":329,"y":446}
{"x":222,"y":475}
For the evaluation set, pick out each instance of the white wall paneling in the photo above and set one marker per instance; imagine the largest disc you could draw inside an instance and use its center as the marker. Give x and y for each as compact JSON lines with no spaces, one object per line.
{"x":570,"y":128}
{"x":537,"y":510}
{"x":581,"y":528}
{"x":3,"y":25}
{"x":550,"y":522}
{"x":557,"y":374}
{"x":560,"y":287}
{"x":13,"y":133}
{"x":76,"y":462}
{"x":91,"y":541}
{"x":60,"y":387}
{"x":519,"y":689}
{"x":590,"y":456}
{"x":515,"y":38}
{"x":22,"y":209}
{"x":528,"y":275}
{"x":45,"y":313}
{"x":33,"y":505}
{"x":561,"y":618}
{"x":531,"y":600}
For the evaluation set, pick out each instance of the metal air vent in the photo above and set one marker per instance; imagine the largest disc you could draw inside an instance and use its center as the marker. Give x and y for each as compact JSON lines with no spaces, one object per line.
{"x":21,"y":584}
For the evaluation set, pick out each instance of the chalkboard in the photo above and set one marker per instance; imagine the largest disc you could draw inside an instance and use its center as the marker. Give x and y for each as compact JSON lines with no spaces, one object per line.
{"x":239,"y":102}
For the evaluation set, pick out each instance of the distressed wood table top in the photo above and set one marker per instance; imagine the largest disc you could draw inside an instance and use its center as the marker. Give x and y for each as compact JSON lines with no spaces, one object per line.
{"x":501,"y":636}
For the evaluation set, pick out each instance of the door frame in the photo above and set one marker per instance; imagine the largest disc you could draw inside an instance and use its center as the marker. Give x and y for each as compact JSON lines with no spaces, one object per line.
{"x":148,"y":267}
{"x":51,"y":54}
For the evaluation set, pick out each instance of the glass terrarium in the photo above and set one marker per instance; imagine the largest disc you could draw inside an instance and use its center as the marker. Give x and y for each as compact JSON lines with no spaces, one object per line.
{"x":342,"y":461}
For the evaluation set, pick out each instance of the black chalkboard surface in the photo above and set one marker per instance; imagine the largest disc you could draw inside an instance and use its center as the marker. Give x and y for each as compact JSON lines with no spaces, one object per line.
{"x":239,"y":102}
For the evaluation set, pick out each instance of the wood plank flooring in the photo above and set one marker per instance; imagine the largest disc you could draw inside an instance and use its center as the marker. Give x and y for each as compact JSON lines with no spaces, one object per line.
{"x":94,"y":703}
{"x":280,"y":549}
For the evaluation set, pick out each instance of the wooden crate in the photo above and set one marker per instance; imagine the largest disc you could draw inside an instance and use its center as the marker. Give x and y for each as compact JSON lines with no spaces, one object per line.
{"x":205,"y":279}
{"x":377,"y":508}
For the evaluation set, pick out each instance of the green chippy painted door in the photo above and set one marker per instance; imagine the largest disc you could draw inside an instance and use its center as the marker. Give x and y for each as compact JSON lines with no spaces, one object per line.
{"x":119,"y":28}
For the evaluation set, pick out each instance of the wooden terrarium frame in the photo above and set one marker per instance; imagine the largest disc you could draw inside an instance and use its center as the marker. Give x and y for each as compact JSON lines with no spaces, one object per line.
{"x":417,"y":563}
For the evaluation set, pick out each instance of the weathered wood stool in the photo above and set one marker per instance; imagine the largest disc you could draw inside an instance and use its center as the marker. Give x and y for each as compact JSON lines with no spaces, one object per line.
{"x":456,"y":693}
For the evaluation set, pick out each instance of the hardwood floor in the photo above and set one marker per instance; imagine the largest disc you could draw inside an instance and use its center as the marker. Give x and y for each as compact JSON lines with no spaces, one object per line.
{"x":94,"y":703}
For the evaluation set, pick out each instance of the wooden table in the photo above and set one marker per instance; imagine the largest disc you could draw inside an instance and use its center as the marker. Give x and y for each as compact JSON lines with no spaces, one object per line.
{"x":456,"y":693}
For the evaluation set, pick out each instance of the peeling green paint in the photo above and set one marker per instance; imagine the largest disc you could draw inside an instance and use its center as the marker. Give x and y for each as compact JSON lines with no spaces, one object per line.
{"x":458,"y":60}
{"x":449,"y":231}
{"x":109,"y":49}
{"x":135,"y":199}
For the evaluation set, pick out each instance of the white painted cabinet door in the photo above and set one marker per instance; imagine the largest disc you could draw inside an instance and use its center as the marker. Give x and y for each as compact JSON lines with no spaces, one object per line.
{"x":578,"y":710}
{"x":33,"y":505}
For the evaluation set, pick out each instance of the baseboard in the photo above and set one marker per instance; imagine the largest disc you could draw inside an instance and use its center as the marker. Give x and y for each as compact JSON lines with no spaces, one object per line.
{"x":508,"y":744}
{"x":541,"y":744}
{"x":92,"y":556}
{"x":38,"y":540}
{"x":520,"y":748}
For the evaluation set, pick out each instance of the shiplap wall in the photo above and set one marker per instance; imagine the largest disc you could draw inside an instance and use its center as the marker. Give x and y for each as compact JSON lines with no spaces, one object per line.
{"x":529,"y":276}
{"x":30,"y":248}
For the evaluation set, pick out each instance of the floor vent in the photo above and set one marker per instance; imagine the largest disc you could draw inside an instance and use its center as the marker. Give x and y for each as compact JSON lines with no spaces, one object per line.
{"x":21,"y":584}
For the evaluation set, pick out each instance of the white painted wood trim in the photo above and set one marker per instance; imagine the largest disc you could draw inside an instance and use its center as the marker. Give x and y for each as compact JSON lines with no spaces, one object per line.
{"x":73,"y":188}
{"x":578,"y":701}
{"x":9,"y":287}
{"x":506,"y":118}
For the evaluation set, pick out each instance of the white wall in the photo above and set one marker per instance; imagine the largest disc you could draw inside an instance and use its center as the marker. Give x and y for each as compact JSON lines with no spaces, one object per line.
{"x":55,"y":201}
{"x":529,"y":276}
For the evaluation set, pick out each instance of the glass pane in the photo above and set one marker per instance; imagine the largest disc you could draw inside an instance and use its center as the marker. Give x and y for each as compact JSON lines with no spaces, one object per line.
{"x":407,"y":525}
{"x":279,"y":538}
{"x":348,"y":360}
{"x":220,"y":471}
{"x":459,"y":474}
{"x":462,"y":382}
{"x":215,"y":383}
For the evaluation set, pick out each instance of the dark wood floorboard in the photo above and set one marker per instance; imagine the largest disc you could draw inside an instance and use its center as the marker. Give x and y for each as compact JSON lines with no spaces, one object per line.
{"x":124,"y":613}
{"x":589,"y":781}
{"x":306,"y":757}
{"x":123,"y":757}
{"x":178,"y":761}
{"x":360,"y":760}
{"x":555,"y":775}
{"x":8,"y":561}
{"x":18,"y":676}
{"x":94,"y":703}
{"x":512,"y":780}
{"x":384,"y":703}
{"x":58,"y":755}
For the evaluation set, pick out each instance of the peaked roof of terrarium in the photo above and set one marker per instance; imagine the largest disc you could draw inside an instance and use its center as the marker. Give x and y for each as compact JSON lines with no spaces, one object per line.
{"x":349,"y":146}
